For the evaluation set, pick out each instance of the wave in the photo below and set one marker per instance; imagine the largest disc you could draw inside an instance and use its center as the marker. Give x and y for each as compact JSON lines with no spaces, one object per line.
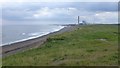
{"x":34,"y":35}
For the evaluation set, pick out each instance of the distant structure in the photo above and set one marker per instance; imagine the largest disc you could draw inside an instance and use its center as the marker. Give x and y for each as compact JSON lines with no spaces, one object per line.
{"x":84,"y":22}
{"x":78,"y":20}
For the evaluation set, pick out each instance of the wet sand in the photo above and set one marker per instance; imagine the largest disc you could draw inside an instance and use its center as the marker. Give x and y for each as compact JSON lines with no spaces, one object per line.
{"x":32,"y":43}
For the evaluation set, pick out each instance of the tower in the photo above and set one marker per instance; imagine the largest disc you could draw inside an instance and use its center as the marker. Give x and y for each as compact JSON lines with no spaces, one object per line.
{"x":78,"y":20}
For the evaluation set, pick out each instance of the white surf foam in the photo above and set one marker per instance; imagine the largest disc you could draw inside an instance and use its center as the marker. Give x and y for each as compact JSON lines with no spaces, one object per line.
{"x":34,"y":35}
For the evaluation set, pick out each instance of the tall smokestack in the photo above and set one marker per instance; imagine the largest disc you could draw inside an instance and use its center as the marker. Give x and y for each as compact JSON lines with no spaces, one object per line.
{"x":78,"y":19}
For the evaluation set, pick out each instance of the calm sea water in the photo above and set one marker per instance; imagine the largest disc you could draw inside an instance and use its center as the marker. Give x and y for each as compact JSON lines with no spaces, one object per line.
{"x":17,"y":33}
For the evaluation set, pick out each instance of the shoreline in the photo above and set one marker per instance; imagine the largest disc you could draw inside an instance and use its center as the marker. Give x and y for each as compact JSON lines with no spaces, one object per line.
{"x":31,"y":43}
{"x":32,"y":37}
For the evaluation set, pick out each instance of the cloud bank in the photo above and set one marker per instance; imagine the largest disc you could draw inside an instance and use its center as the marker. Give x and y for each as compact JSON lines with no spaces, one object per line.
{"x":59,"y":12}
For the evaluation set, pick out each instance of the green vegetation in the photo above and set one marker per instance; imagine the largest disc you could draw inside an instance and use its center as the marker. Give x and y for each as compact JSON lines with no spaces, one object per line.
{"x":89,"y":45}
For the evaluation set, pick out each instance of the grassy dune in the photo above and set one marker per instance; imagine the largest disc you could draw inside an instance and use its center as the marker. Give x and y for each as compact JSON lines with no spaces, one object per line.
{"x":89,"y":45}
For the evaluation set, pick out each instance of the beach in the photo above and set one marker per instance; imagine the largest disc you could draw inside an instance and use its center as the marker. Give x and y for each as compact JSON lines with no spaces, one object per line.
{"x":32,"y":43}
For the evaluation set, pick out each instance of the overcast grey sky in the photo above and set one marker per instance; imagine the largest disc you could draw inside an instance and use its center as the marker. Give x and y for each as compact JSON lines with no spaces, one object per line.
{"x":59,"y":12}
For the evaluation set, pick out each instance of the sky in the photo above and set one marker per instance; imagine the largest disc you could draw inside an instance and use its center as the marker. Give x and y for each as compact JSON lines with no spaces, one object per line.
{"x":3,"y":1}
{"x":50,"y":12}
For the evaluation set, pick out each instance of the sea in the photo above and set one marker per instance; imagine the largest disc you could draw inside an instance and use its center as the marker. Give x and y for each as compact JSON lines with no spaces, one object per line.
{"x":18,"y":33}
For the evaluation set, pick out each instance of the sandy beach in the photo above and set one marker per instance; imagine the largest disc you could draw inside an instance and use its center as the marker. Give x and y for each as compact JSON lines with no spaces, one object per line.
{"x":32,"y":43}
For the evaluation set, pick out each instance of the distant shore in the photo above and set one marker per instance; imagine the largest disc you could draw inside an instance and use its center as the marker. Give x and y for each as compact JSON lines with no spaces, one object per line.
{"x":32,"y":43}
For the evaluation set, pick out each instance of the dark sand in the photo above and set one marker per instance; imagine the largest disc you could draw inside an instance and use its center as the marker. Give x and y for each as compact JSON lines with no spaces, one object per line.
{"x":32,"y":43}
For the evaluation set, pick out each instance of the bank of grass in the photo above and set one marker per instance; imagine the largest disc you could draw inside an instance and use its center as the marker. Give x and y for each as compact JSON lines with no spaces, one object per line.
{"x":89,"y":45}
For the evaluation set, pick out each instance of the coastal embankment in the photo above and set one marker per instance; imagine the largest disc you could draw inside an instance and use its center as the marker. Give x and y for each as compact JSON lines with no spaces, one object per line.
{"x":31,"y":43}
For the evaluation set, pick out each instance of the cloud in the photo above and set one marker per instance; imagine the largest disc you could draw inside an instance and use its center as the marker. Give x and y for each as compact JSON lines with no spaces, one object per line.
{"x":107,"y":17}
{"x":60,"y":12}
{"x":53,"y":12}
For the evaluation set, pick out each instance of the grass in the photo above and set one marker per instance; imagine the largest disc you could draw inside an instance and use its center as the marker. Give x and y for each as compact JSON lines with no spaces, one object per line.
{"x":89,"y":45}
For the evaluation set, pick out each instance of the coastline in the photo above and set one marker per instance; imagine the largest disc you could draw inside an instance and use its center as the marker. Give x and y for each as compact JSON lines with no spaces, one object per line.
{"x":31,"y":43}
{"x":31,"y":35}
